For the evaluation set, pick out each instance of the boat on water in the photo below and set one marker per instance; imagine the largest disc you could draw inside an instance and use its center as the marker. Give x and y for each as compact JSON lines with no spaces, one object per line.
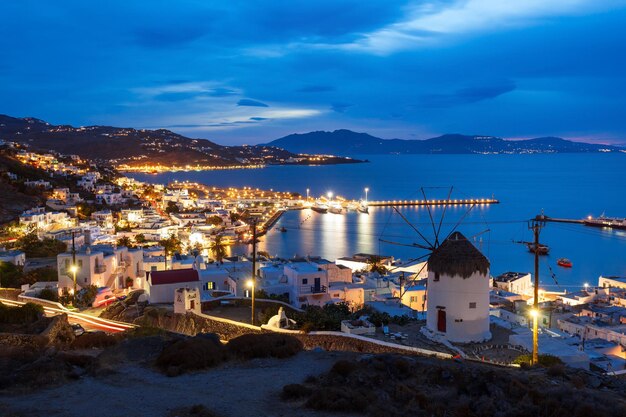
{"x":363,"y":208}
{"x":352,"y":206}
{"x":602,"y":221}
{"x":320,"y":207}
{"x":540,"y":249}
{"x":564,"y":262}
{"x":283,"y":229}
{"x":335,"y":208}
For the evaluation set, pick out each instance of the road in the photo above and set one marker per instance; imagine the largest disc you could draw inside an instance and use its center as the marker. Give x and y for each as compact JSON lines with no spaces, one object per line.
{"x":88,"y":322}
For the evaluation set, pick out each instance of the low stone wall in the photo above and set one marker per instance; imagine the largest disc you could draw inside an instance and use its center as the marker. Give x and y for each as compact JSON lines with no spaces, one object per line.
{"x":57,"y":333}
{"x":41,"y":302}
{"x":192,"y":324}
{"x":22,"y":341}
{"x":10,"y":293}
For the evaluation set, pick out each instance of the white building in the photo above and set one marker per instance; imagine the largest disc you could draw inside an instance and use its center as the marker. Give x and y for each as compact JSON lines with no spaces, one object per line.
{"x":612,"y":282}
{"x":161,"y":286}
{"x":514,"y":282}
{"x":39,"y":218}
{"x":102,"y":266}
{"x":15,"y":257}
{"x":458,"y":291}
{"x":359,"y":261}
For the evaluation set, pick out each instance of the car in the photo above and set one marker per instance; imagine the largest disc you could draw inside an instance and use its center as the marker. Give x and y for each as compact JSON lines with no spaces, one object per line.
{"x":104,"y":297}
{"x":78,"y":329}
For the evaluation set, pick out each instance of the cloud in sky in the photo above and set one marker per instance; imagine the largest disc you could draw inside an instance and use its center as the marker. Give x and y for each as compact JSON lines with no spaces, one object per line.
{"x":251,"y":103}
{"x":248,"y":72}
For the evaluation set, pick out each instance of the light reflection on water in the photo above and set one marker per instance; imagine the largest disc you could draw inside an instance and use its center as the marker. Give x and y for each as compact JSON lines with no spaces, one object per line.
{"x":564,"y":185}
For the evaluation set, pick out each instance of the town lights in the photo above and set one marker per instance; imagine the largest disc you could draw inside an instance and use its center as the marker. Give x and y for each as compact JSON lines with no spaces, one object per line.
{"x":586,"y":286}
{"x":73,"y":270}
{"x":250,"y":284}
{"x":534,"y":313}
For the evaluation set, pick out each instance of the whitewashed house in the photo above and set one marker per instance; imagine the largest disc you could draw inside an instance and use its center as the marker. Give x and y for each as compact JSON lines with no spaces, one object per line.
{"x":15,"y":257}
{"x":102,"y":266}
{"x":514,"y":282}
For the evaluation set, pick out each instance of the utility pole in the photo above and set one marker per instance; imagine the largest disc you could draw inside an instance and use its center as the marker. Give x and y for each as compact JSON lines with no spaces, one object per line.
{"x":536,"y":226}
{"x":74,"y":264}
{"x":254,"y":223}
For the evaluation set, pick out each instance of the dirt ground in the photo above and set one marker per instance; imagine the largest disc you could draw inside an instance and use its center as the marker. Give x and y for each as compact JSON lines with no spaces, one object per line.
{"x":235,"y":389}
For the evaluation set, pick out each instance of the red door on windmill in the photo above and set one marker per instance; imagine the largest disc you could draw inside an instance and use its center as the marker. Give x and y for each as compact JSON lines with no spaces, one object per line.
{"x":441,"y":320}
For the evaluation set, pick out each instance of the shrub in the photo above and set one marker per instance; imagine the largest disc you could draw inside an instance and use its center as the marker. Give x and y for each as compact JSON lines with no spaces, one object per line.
{"x":86,"y":296}
{"x":544,"y":360}
{"x":268,"y":313}
{"x":35,"y":248}
{"x":275,"y":345}
{"x":26,"y":314}
{"x":328,"y":317}
{"x":92,"y":340}
{"x":345,"y":399}
{"x":295,"y":392}
{"x":65,"y":298}
{"x":190,"y":354}
{"x":343,"y":368}
{"x":197,"y":410}
{"x":49,"y":294}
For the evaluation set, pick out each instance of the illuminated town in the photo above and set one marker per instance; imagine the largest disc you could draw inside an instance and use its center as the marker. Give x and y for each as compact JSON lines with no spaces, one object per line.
{"x":313,"y":208}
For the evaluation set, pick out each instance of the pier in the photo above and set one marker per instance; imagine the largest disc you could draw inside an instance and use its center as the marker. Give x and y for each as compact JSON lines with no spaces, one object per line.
{"x":450,"y":202}
{"x":544,"y":218}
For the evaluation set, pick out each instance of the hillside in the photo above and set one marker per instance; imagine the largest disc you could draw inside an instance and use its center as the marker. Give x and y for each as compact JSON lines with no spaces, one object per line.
{"x":347,"y":142}
{"x":135,"y":147}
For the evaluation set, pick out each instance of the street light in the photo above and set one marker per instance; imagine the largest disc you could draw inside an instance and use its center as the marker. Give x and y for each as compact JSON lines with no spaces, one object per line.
{"x":586,"y":286}
{"x":330,"y":195}
{"x":73,"y":270}
{"x":307,"y":194}
{"x":250,"y":284}
{"x":366,"y":191}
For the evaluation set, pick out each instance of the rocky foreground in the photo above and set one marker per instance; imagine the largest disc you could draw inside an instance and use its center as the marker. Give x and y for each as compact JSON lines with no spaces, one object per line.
{"x":149,"y":372}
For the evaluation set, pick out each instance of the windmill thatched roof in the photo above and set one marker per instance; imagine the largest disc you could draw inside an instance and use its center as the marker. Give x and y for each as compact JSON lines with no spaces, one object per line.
{"x":457,"y":256}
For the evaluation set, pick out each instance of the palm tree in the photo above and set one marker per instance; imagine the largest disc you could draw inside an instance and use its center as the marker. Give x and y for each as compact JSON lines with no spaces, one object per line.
{"x":218,"y":248}
{"x":375,"y":264}
{"x":125,"y":241}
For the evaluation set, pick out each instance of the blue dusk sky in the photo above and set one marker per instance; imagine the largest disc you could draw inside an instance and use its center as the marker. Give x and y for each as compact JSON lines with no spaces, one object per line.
{"x":252,"y":71}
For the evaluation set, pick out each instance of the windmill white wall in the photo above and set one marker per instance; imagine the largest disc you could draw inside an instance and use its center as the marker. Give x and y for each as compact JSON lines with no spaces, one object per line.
{"x":458,"y":292}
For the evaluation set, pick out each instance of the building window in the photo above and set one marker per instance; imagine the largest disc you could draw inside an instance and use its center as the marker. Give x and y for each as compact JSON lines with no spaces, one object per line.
{"x":305,"y":281}
{"x":472,"y":305}
{"x":436,"y":276}
{"x":208,"y":286}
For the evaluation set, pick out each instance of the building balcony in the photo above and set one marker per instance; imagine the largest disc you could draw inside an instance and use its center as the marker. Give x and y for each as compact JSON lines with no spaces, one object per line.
{"x":100,"y":269}
{"x":318,"y":289}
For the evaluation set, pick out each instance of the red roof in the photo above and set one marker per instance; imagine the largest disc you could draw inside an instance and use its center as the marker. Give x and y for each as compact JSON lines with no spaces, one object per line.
{"x":175,"y":276}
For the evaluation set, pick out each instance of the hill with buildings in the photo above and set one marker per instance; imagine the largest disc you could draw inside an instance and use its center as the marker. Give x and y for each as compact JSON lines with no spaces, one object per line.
{"x":347,"y":142}
{"x":137,"y":147}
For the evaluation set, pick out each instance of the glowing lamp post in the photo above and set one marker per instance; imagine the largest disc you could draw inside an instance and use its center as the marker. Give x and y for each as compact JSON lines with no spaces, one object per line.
{"x":73,"y":270}
{"x":250,"y":284}
{"x":366,"y":191}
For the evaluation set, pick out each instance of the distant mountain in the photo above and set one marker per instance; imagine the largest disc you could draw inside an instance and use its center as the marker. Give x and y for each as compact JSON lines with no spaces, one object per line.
{"x":347,"y":142}
{"x":136,"y":147}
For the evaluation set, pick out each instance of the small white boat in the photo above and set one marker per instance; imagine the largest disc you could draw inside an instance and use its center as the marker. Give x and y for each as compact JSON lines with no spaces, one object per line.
{"x":336,"y":208}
